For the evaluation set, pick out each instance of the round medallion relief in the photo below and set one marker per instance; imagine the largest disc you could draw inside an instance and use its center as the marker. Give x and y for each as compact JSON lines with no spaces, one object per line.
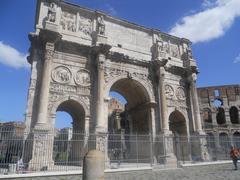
{"x":61,"y":74}
{"x":169,"y":91}
{"x":82,"y":77}
{"x":180,"y":93}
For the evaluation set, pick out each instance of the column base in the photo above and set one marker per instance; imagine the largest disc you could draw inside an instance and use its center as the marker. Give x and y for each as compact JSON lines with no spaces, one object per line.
{"x":169,"y":158}
{"x":102,"y":145}
{"x":199,"y":147}
{"x":42,"y":150}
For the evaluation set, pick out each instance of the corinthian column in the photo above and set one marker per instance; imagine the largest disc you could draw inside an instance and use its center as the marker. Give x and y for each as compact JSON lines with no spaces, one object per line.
{"x":48,"y":38}
{"x":160,"y":65}
{"x":199,"y":146}
{"x":101,"y":121}
{"x":44,"y":90}
{"x":195,"y":104}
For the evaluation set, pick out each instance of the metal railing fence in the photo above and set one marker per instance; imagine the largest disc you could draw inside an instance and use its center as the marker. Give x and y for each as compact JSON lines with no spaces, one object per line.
{"x":64,"y":152}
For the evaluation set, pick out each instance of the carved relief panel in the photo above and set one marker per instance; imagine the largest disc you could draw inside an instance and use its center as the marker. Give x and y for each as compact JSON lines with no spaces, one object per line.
{"x":76,"y":23}
{"x":68,"y":79}
{"x":169,"y":91}
{"x":82,"y":77}
{"x":174,"y":51}
{"x":176,"y":96}
{"x":85,"y":26}
{"x":180,"y":94}
{"x":61,"y":74}
{"x":68,"y":21}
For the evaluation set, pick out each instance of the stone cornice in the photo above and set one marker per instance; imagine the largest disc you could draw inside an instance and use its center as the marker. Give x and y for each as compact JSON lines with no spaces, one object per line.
{"x":49,"y":36}
{"x":101,"y":49}
{"x":182,"y":71}
{"x":119,"y":57}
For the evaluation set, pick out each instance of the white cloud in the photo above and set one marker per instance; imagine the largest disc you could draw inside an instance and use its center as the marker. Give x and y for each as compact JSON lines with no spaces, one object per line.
{"x":212,"y":22}
{"x":111,"y":10}
{"x":208,"y":3}
{"x":237,"y":59}
{"x":12,"y":57}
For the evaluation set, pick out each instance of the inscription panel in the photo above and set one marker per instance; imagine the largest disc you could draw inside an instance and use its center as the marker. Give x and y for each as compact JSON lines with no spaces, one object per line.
{"x":60,"y":88}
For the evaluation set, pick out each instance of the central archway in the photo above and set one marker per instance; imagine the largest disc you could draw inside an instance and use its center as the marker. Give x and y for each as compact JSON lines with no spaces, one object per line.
{"x":69,"y":141}
{"x":137,"y":104}
{"x":131,"y":140}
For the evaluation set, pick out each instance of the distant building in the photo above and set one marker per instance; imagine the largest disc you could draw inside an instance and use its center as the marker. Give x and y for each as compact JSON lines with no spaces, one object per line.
{"x":11,"y":141}
{"x":115,"y":109}
{"x":219,"y":107}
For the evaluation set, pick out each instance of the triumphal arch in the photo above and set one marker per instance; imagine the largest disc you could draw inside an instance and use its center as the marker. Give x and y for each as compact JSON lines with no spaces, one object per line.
{"x":78,"y":56}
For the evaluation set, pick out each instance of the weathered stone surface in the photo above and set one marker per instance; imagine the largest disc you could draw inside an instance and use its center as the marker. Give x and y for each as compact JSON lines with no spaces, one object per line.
{"x":79,"y":55}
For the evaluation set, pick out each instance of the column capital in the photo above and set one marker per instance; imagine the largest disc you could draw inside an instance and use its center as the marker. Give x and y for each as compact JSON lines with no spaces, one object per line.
{"x":49,"y":36}
{"x":192,"y":78}
{"x":49,"y":52}
{"x":160,"y":63}
{"x":103,"y":49}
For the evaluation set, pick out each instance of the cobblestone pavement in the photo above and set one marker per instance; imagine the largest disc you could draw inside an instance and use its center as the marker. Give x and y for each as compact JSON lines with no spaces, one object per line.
{"x":209,"y":172}
{"x":212,"y":172}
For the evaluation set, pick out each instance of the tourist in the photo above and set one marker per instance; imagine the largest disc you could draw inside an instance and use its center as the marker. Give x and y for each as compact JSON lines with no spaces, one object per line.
{"x":234,"y":153}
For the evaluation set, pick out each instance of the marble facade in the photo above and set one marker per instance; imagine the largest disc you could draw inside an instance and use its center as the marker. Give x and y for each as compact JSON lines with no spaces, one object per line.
{"x":78,"y":56}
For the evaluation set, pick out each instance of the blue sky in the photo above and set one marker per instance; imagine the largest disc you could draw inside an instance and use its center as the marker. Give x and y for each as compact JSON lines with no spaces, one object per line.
{"x":212,"y":25}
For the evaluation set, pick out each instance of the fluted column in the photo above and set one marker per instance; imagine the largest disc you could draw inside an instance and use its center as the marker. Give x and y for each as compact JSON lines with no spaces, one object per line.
{"x":195,"y":103}
{"x":160,"y":65}
{"x":101,"y":121}
{"x":44,"y":89}
{"x":33,"y":58}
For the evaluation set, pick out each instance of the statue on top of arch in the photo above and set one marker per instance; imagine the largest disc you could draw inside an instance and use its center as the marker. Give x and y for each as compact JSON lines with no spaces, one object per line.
{"x":100,"y":25}
{"x":51,"y":17}
{"x":160,"y":49}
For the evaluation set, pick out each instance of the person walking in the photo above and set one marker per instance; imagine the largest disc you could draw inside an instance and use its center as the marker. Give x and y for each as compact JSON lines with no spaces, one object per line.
{"x":234,"y":153}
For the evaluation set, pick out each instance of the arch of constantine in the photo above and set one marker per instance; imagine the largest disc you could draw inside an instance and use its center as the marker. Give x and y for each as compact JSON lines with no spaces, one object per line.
{"x":78,"y":56}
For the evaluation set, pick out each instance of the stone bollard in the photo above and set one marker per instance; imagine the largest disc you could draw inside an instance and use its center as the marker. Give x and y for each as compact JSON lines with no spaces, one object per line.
{"x":93,"y":165}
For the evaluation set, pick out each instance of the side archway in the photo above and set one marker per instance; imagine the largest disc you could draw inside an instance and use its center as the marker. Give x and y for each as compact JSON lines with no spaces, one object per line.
{"x":178,"y":126}
{"x":69,"y":146}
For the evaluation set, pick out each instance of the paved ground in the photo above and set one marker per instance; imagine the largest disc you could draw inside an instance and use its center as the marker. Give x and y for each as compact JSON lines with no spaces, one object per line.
{"x":210,"y":172}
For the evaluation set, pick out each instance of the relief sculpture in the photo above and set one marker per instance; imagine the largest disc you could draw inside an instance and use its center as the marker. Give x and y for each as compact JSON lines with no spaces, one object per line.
{"x":68,"y":21}
{"x":61,"y":74}
{"x":169,"y":91}
{"x":175,"y":51}
{"x":82,"y":77}
{"x":180,"y":93}
{"x":85,"y":26}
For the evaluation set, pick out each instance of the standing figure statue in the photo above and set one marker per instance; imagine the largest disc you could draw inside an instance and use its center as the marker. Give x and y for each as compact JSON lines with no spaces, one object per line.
{"x":189,"y":53}
{"x":51,"y":13}
{"x":100,"y":25}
